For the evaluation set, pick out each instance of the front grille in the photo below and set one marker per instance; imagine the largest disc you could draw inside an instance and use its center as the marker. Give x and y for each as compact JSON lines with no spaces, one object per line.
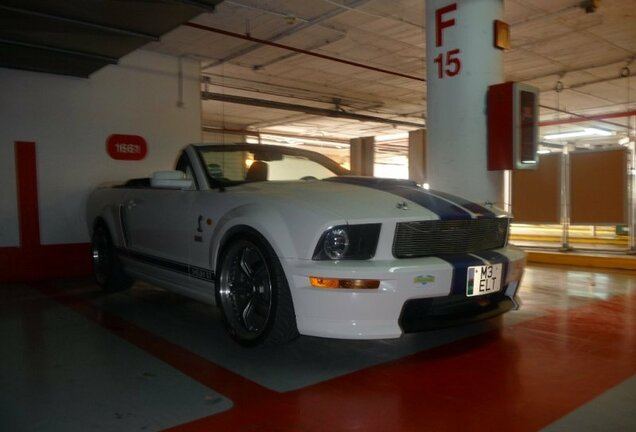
{"x":448,"y":237}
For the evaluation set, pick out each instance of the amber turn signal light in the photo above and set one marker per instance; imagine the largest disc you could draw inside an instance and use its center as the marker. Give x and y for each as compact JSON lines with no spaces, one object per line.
{"x":344,"y":283}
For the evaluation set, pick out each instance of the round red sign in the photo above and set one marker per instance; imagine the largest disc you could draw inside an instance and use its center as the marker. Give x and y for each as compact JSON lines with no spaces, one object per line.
{"x":126,"y":147}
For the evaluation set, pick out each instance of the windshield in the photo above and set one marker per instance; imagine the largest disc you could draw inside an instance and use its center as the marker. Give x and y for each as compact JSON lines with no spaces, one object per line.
{"x":239,"y":163}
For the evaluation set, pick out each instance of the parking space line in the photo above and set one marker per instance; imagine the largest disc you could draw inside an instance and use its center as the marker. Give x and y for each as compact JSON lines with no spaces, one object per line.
{"x":522,"y":377}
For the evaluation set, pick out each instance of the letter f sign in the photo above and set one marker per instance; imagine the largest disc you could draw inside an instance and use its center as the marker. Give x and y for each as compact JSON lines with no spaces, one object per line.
{"x":440,"y":24}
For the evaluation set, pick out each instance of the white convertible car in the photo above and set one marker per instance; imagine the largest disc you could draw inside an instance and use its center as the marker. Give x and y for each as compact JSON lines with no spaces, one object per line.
{"x":285,"y":242}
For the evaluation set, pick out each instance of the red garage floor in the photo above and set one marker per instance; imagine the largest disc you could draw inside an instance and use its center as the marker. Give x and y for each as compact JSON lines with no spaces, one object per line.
{"x":567,"y":356}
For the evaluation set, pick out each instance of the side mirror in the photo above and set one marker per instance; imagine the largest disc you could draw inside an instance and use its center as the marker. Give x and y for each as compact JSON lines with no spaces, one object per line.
{"x":170,"y":180}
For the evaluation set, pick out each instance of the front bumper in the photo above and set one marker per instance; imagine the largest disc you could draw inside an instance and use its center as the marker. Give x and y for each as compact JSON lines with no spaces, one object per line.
{"x":415,"y":294}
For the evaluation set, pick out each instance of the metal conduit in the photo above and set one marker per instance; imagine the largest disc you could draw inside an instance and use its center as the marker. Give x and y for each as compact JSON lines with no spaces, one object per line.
{"x":299,"y":50}
{"x":581,"y":118}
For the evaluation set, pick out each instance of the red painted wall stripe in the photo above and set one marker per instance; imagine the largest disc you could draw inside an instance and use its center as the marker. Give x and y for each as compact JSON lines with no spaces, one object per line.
{"x":27,"y":189}
{"x":32,"y":261}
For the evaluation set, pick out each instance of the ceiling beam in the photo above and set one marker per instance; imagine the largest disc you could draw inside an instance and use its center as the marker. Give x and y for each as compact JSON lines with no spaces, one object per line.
{"x":203,"y":4}
{"x":212,"y":129}
{"x":107,"y":28}
{"x":321,"y":112}
{"x":90,"y":56}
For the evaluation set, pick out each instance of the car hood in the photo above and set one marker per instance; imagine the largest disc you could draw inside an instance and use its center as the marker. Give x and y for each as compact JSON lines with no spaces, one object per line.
{"x":367,"y":198}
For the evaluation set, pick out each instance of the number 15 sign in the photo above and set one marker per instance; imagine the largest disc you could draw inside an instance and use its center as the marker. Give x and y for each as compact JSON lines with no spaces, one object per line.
{"x":448,"y":61}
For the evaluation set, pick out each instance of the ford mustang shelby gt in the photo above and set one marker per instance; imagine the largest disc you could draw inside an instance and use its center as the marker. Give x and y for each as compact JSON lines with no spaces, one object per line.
{"x":286,"y":242}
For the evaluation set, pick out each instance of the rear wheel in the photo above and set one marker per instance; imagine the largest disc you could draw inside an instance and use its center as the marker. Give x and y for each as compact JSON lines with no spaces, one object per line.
{"x":254,"y":295}
{"x":107,"y":268}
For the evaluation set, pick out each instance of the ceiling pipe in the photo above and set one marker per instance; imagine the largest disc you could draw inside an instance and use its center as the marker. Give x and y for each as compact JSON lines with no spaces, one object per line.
{"x":299,"y":50}
{"x":289,"y":55}
{"x":352,"y":8}
{"x":305,"y":24}
{"x":230,"y":131}
{"x":322,"y":112}
{"x":589,"y":118}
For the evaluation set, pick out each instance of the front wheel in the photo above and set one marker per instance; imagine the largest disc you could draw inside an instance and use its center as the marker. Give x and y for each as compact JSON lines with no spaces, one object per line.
{"x":107,"y":268}
{"x":254,"y":295}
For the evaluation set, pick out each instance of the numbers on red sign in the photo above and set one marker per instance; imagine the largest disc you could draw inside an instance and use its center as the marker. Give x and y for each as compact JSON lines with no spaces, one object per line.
{"x":448,"y":63}
{"x":126,"y":147}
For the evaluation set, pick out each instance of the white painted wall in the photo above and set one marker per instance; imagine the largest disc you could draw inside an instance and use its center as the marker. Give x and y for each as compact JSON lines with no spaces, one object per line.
{"x":70,"y":120}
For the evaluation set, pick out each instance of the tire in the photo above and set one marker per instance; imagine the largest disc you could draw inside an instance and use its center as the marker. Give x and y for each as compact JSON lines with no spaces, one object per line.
{"x":253,"y":294}
{"x":107,"y":268}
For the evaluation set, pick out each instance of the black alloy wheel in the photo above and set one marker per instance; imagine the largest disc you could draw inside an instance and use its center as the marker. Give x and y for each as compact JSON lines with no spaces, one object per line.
{"x":253,"y":294}
{"x":107,"y":268}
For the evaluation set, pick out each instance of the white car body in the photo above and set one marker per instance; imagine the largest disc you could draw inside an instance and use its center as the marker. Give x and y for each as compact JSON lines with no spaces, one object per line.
{"x":171,"y":237}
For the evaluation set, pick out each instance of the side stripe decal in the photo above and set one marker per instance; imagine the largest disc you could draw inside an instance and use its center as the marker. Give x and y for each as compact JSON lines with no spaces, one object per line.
{"x":177,"y":267}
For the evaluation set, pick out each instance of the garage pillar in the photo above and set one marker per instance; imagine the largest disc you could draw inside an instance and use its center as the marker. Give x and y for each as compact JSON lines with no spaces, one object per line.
{"x":362,"y":155}
{"x":417,"y":156}
{"x":461,"y":62}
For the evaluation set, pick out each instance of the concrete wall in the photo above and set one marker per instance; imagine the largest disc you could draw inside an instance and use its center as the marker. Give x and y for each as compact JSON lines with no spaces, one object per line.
{"x":70,"y":120}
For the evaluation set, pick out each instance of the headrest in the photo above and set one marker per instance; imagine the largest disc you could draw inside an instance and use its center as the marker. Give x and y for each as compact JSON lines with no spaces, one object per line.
{"x":170,"y":179}
{"x":257,"y":172}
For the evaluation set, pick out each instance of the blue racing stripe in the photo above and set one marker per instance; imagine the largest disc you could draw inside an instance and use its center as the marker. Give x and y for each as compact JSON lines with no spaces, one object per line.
{"x":461,"y":263}
{"x":479,"y":210}
{"x":409,"y":190}
{"x":496,"y":258}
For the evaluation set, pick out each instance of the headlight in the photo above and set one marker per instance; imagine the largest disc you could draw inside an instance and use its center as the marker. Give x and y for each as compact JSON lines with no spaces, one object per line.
{"x":336,"y":243}
{"x":348,"y":242}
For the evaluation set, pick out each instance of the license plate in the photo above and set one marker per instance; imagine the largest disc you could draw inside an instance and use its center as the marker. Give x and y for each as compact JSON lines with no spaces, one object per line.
{"x":483,"y":280}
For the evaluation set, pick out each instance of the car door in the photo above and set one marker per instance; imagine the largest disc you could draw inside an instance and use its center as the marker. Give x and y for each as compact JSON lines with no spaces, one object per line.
{"x":156,"y":224}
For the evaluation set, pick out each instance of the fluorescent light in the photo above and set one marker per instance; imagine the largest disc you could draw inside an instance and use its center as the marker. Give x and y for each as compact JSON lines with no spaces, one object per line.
{"x":392,"y":137}
{"x":587,"y":132}
{"x":543,"y":151}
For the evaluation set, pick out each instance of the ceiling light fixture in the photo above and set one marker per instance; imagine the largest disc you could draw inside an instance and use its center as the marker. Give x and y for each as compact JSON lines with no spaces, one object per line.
{"x":587,"y":132}
{"x":392,"y":137}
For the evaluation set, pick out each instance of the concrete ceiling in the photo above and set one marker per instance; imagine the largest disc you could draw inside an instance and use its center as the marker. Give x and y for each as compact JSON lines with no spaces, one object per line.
{"x":552,"y":41}
{"x":79,"y":37}
{"x":335,"y":69}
